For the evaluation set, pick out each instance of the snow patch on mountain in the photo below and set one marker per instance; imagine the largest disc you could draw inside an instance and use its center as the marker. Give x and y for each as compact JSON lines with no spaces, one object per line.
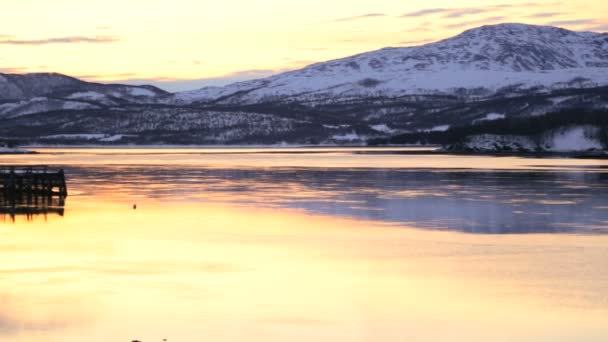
{"x":490,"y":117}
{"x":440,"y":128}
{"x":41,"y":104}
{"x":383,"y":128}
{"x":141,"y":92}
{"x":347,"y":137}
{"x":71,"y":105}
{"x":88,"y":95}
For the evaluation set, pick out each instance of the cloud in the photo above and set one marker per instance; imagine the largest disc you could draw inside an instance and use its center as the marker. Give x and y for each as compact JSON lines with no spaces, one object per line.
{"x":449,"y":13}
{"x":572,"y":22}
{"x":490,"y":20}
{"x":425,"y":12}
{"x":544,"y":15}
{"x":357,"y":17}
{"x":16,"y":70}
{"x":600,"y":28}
{"x":527,"y":5}
{"x":465,"y":11}
{"x":101,"y":78}
{"x":59,"y":40}
{"x":26,"y":70}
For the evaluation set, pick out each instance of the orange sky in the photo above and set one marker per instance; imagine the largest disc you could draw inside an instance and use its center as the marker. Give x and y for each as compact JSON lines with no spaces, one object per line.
{"x":177,"y":43}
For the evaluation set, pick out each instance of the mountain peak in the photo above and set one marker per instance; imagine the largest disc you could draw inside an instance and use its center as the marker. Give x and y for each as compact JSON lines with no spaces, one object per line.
{"x":521,"y":31}
{"x":487,"y":58}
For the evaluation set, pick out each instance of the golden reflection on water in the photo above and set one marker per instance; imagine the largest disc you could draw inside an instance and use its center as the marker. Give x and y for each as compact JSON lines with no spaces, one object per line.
{"x":191,"y":272}
{"x":217,"y":265}
{"x":296,"y":157}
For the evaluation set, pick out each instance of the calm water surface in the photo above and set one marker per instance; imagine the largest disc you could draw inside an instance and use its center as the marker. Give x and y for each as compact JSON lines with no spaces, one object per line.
{"x":309,"y":245}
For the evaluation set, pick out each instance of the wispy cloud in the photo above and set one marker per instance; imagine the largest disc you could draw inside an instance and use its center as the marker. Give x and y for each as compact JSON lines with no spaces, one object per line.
{"x":544,"y":15}
{"x":464,"y":24}
{"x":450,"y":13}
{"x":425,"y":12}
{"x":100,"y":78}
{"x":60,"y":40}
{"x":422,"y":27}
{"x":465,"y":11}
{"x":527,"y":5}
{"x":599,"y":28}
{"x":357,"y":17}
{"x":572,"y":22}
{"x":15,"y":70}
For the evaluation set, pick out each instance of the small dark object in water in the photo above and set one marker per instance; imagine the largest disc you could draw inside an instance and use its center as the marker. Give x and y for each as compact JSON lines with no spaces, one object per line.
{"x":134,"y":206}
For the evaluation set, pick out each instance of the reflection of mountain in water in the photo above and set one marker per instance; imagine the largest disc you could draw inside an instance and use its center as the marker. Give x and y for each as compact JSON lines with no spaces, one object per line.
{"x":498,"y":202}
{"x":30,"y":206}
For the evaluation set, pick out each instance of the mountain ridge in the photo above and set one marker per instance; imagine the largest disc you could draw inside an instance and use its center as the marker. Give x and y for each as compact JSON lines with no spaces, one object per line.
{"x":509,"y":71}
{"x":23,"y":86}
{"x":511,"y":54}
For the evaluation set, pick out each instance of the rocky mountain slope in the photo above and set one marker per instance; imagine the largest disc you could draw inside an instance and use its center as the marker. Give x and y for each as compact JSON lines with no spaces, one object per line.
{"x":492,"y":72}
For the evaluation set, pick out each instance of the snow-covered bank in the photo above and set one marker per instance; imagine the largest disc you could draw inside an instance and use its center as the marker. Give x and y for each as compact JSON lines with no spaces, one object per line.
{"x":584,"y":138}
{"x":11,"y":150}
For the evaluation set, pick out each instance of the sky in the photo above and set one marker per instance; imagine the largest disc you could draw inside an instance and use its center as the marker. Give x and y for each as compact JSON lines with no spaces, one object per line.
{"x":187,"y":44}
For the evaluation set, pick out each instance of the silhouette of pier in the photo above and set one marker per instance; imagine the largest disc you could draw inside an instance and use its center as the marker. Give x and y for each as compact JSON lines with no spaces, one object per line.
{"x":31,"y":190}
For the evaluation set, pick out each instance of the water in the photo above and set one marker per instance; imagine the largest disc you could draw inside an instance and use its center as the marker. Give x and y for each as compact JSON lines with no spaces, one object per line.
{"x":309,"y":244}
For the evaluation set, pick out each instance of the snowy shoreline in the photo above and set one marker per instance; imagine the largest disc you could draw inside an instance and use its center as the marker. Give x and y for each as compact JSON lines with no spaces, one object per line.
{"x":401,"y":149}
{"x":10,"y":150}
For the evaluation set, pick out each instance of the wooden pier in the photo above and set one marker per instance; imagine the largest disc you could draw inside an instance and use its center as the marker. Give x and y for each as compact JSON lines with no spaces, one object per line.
{"x":31,"y":190}
{"x":32,"y":181}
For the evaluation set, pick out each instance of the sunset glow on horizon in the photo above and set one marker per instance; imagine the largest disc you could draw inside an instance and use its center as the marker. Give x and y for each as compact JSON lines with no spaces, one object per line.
{"x":183,"y":44}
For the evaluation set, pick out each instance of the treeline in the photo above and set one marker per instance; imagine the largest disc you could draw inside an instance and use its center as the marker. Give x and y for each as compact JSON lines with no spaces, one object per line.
{"x":527,"y":126}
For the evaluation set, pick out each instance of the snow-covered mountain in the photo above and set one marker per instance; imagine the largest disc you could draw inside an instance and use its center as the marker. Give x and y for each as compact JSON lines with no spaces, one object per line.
{"x":44,"y":92}
{"x":478,"y":62}
{"x":501,"y":72}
